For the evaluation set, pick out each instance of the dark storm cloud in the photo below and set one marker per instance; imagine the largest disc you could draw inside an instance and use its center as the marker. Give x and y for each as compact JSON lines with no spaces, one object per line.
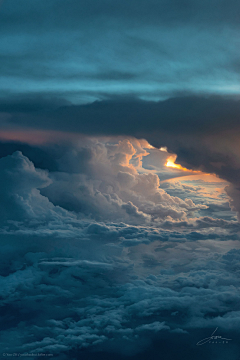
{"x":41,"y":158}
{"x":53,"y":11}
{"x":188,"y":115}
{"x":198,"y":129}
{"x":202,"y":131}
{"x":84,"y":50}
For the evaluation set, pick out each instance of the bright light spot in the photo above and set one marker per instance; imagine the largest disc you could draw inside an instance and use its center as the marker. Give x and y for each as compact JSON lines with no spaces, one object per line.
{"x":171,"y":163}
{"x":163,"y":148}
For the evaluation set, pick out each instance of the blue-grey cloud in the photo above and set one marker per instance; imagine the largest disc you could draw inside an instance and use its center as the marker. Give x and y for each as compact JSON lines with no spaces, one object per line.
{"x":99,"y":259}
{"x":120,"y":287}
{"x":85,"y":51}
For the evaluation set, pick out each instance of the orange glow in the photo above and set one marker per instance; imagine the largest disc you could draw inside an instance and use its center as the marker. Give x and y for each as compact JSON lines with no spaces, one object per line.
{"x":171,"y":163}
{"x":163,"y":148}
{"x":37,"y":136}
{"x":148,"y":146}
{"x":200,"y":176}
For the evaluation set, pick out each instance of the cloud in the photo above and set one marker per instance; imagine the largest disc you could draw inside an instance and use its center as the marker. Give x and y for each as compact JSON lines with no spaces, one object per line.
{"x":203,"y":132}
{"x":91,"y":51}
{"x":120,"y":285}
{"x":194,"y":298}
{"x":104,"y":180}
{"x":100,"y":258}
{"x":108,"y":182}
{"x":21,"y":199}
{"x":234,"y":195}
{"x":131,"y":116}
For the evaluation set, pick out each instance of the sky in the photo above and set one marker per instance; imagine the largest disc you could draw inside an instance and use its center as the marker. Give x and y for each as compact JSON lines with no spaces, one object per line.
{"x":120,"y":179}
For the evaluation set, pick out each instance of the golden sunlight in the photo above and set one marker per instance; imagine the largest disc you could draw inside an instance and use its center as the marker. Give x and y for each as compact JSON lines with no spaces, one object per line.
{"x":171,"y":163}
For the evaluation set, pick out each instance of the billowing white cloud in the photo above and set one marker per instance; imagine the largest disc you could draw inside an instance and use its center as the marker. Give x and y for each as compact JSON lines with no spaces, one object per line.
{"x":97,"y":257}
{"x":105,"y":180}
{"x":20,"y":195}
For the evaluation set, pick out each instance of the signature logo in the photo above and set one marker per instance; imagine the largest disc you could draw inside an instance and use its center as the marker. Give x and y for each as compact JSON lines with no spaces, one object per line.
{"x":214,"y":339}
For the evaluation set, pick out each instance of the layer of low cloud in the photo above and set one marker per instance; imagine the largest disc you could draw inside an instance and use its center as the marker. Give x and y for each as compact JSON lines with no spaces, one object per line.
{"x":124,"y":278}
